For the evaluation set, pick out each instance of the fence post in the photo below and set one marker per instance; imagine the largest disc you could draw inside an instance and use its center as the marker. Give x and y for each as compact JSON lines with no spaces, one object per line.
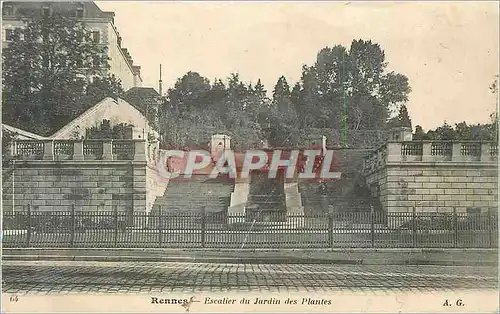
{"x":330,"y":230}
{"x":414,"y":227}
{"x":73,"y":224}
{"x":160,"y":226}
{"x":455,"y":228}
{"x":28,"y":232}
{"x":115,"y":208}
{"x":203,"y":226}
{"x":490,"y":227}
{"x":372,"y":225}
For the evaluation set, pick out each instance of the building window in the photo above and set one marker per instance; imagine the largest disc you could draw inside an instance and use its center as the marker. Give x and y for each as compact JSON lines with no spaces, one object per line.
{"x":96,"y":37}
{"x":46,"y":11}
{"x":9,"y":35}
{"x":79,"y":12}
{"x":8,"y":10}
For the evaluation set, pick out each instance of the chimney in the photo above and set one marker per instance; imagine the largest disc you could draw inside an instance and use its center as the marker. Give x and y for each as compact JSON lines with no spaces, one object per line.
{"x":137,"y":69}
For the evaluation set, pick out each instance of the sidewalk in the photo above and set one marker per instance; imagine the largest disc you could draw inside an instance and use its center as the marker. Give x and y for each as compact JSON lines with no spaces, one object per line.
{"x":443,"y":257}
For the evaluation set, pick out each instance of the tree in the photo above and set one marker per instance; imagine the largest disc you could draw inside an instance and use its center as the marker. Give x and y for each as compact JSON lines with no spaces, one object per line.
{"x":45,"y":70}
{"x":189,"y":93}
{"x":259,"y":90}
{"x":102,"y":87}
{"x":402,"y":119}
{"x":106,"y":131}
{"x":195,"y":109}
{"x":283,"y":117}
{"x":494,"y":86}
{"x":419,"y":133}
{"x":352,"y":83}
{"x":494,"y":116}
{"x":7,"y":139}
{"x":460,"y":132}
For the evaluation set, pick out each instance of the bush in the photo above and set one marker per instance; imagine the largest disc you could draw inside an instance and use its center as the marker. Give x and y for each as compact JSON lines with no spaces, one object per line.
{"x":49,"y":223}
{"x":443,"y":222}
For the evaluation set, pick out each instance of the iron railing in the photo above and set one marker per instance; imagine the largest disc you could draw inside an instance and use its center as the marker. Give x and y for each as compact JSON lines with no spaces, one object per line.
{"x":204,"y":229}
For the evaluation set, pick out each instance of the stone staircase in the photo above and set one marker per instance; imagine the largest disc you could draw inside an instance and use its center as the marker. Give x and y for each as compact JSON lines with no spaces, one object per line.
{"x":266,"y":208}
{"x":334,"y":197}
{"x":340,"y":196}
{"x":266,"y":200}
{"x":195,"y":194}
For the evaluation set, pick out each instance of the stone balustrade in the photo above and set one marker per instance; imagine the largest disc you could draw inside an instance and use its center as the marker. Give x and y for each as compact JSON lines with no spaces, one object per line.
{"x":79,"y":150}
{"x":430,"y":152}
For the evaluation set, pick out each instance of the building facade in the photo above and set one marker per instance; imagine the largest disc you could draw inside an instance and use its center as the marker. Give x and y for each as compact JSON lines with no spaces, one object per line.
{"x":99,"y":23}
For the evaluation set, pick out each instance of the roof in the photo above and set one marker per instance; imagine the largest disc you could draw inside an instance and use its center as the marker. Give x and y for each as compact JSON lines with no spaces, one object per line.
{"x":117,"y":110}
{"x":26,"y":9}
{"x":142,"y":92}
{"x":22,"y":133}
{"x":140,"y":97}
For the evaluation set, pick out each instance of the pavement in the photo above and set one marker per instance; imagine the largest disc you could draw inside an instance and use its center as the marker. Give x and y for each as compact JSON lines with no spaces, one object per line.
{"x":91,"y":277}
{"x":443,"y":257}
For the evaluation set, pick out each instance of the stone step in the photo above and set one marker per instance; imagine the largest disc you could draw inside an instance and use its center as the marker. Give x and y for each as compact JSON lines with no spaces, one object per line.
{"x":194,"y":197}
{"x":196,"y":193}
{"x":190,"y":202}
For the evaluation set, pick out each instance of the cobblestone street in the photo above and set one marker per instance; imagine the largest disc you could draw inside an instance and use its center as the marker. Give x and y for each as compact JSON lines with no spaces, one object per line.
{"x":37,"y":277}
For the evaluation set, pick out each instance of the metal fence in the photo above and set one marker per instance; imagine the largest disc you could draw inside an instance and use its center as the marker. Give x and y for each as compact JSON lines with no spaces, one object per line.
{"x":221,"y":230}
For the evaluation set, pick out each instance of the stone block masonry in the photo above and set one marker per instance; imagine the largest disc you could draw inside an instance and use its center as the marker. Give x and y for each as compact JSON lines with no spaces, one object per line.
{"x":439,"y":188}
{"x":426,"y":181}
{"x":96,"y":186}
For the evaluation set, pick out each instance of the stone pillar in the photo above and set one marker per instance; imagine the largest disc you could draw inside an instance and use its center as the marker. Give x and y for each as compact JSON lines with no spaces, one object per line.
{"x":107,"y":150}
{"x":220,"y":143}
{"x":236,"y":211}
{"x":426,"y":151}
{"x":294,"y":208}
{"x":140,"y":193}
{"x":13,"y":148}
{"x":316,"y":142}
{"x":485,"y":152}
{"x":48,"y":150}
{"x":78,"y":150}
{"x":140,"y":150}
{"x":456,"y":154}
{"x":401,"y":134}
{"x":394,"y":151}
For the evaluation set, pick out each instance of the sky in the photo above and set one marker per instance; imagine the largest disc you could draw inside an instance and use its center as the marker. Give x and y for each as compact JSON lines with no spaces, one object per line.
{"x":448,"y":50}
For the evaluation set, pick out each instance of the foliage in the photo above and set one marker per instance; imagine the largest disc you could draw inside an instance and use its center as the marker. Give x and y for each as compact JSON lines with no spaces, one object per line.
{"x":353,"y":82}
{"x":283,"y":118}
{"x":442,"y":222}
{"x":102,"y":87}
{"x":195,"y":109}
{"x":402,"y":119}
{"x":461,"y":131}
{"x":7,"y":138}
{"x":106,"y":131}
{"x":45,"y":73}
{"x":7,"y":158}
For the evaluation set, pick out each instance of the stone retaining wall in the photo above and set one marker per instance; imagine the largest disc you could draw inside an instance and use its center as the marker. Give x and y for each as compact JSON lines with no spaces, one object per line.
{"x":434,"y":180}
{"x":89,"y":186}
